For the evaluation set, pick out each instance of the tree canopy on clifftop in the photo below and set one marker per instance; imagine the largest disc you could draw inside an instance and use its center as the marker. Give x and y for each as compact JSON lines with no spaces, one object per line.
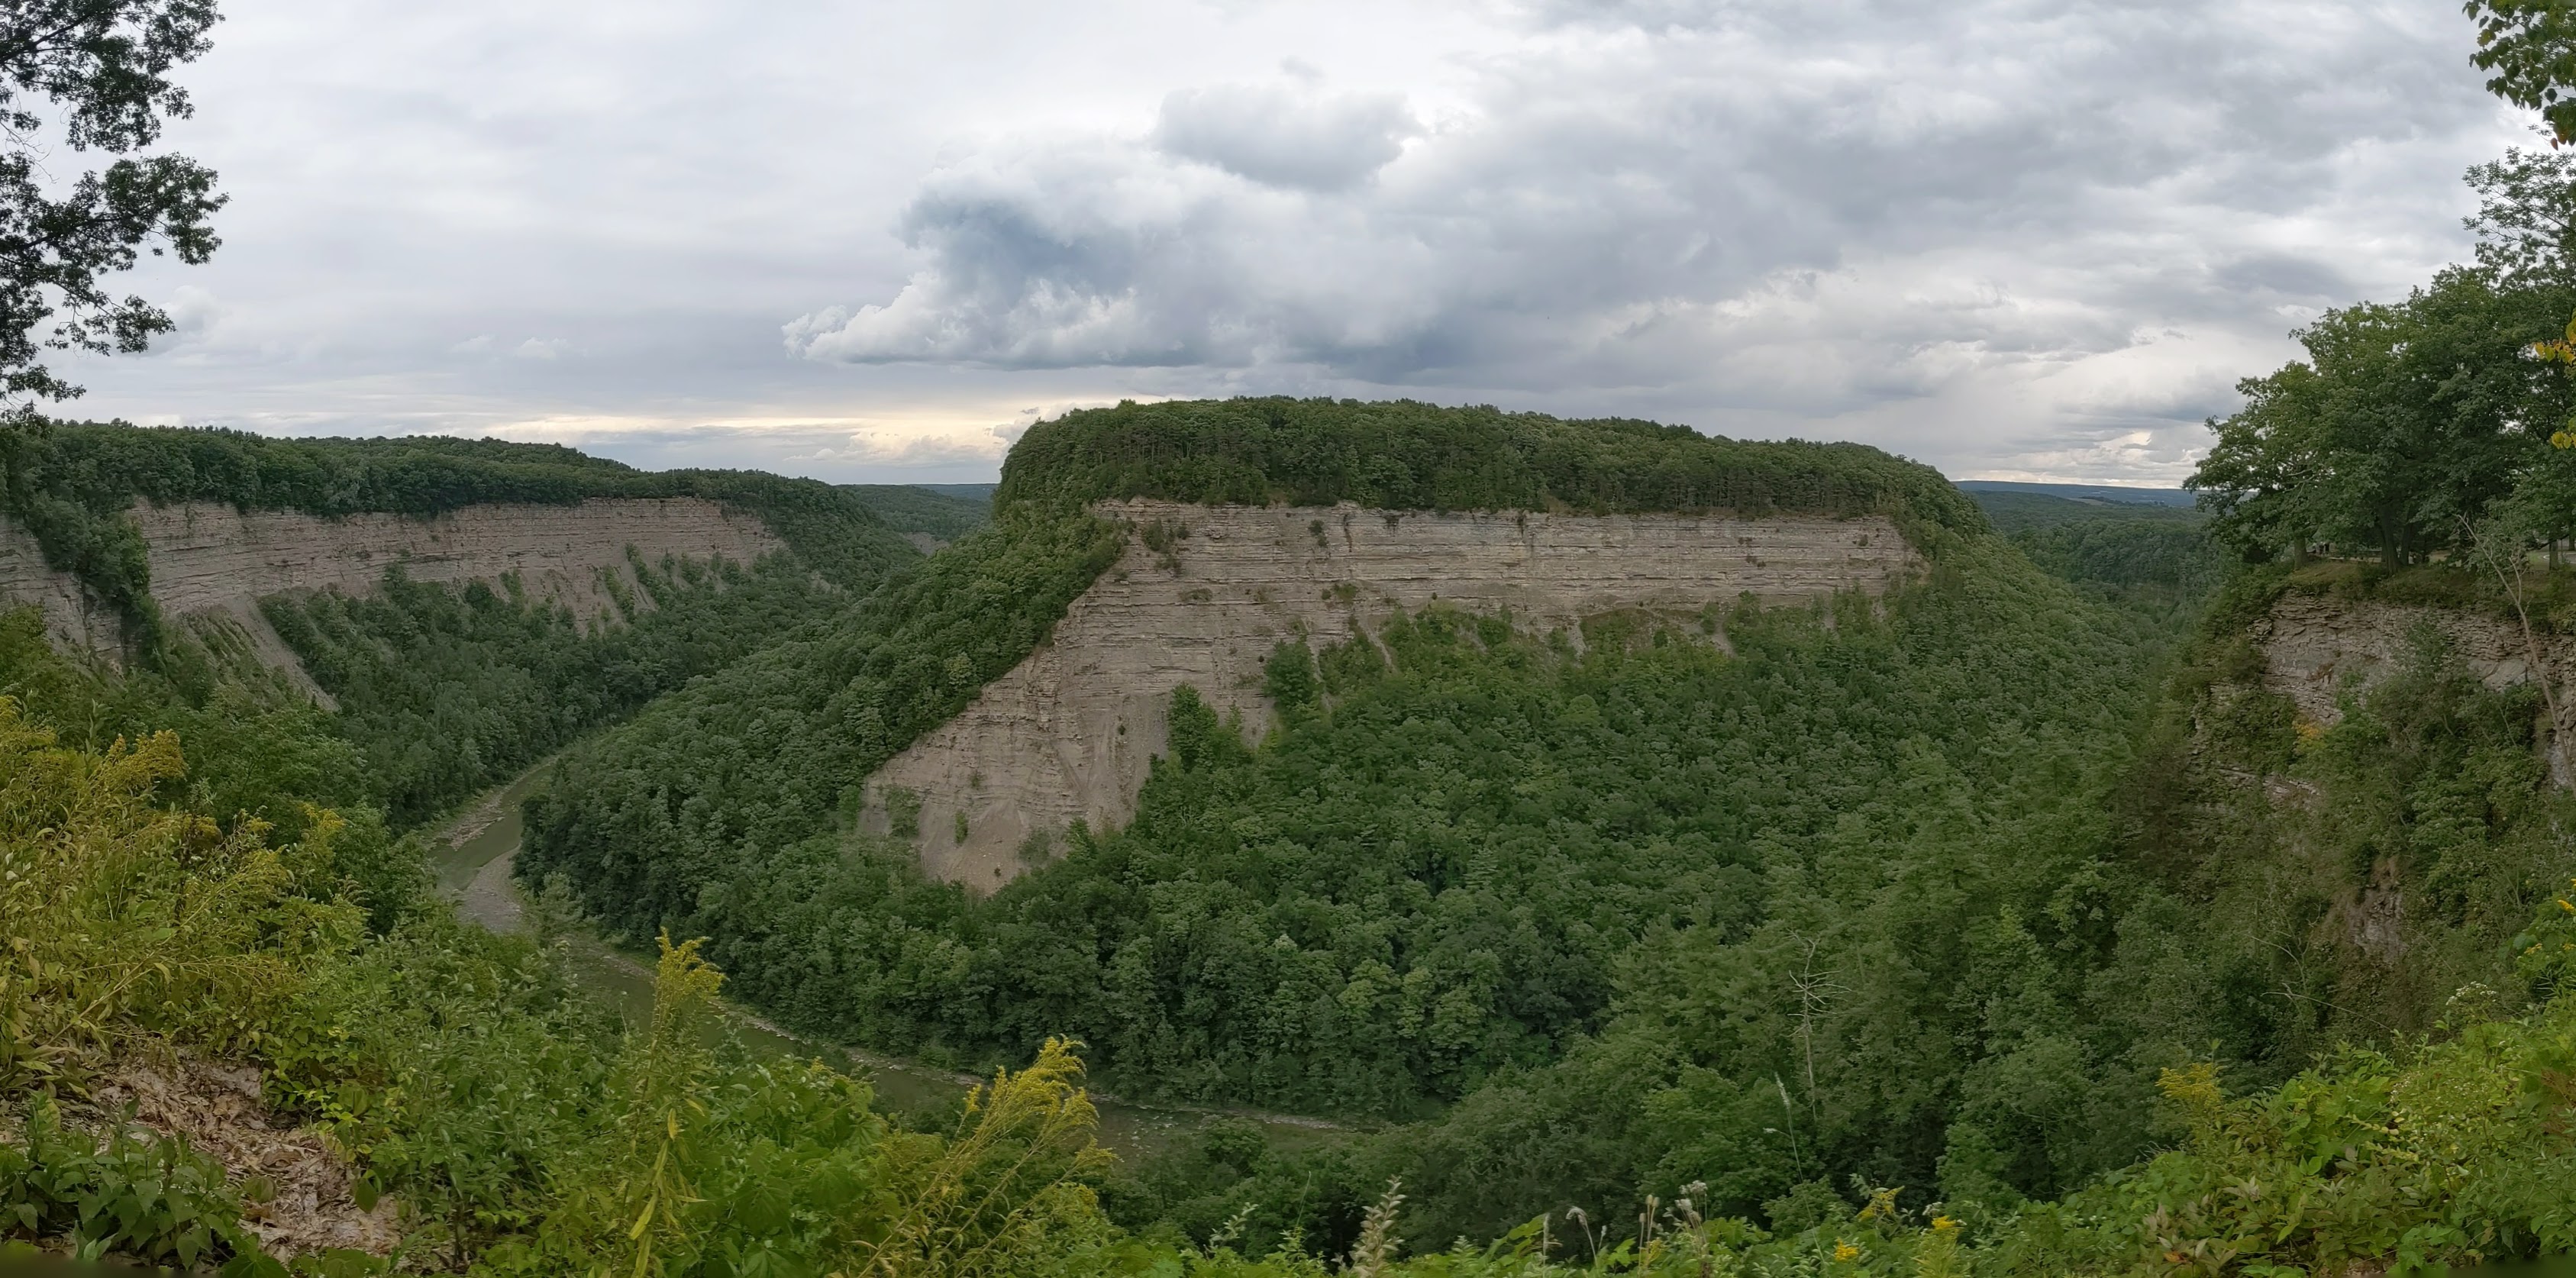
{"x":1408,"y":455}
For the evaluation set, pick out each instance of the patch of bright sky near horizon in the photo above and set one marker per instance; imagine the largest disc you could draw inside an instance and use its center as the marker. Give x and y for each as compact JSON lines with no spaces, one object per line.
{"x":2033,"y":239}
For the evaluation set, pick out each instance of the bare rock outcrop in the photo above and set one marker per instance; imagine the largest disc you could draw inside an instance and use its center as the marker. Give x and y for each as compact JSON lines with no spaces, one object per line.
{"x":1204,"y":594}
{"x":213,"y":563}
{"x":71,"y":619}
{"x":2316,"y":646}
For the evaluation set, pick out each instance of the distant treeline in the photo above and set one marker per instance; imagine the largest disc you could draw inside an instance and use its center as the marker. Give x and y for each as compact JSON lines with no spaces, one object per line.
{"x":70,"y":484}
{"x":2114,"y":544}
{"x":915,"y":508}
{"x":1410,"y":455}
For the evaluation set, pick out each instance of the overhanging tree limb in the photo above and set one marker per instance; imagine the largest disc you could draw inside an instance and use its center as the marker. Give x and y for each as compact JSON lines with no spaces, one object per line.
{"x":2529,"y":49}
{"x":97,"y":74}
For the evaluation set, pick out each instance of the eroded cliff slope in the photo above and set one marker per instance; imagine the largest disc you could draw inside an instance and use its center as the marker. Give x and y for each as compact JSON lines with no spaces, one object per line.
{"x":212,"y":561}
{"x":2318,"y":648}
{"x":1203,"y":594}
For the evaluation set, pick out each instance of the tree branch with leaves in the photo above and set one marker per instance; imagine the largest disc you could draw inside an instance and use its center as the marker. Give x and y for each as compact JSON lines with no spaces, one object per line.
{"x":92,"y":76}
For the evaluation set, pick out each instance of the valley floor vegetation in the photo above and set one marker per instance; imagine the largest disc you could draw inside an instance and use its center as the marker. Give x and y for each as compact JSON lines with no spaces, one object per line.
{"x":512,"y":1127}
{"x":2003,"y":924}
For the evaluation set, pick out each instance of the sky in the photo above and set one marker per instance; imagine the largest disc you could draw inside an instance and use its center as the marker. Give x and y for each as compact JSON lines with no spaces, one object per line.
{"x":869,"y":242}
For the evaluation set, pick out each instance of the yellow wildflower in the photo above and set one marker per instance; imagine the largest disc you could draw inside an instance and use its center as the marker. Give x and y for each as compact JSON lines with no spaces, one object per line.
{"x":1845,"y":1252}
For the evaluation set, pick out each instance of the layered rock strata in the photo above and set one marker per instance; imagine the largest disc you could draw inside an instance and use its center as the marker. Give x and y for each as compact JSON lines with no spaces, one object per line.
{"x":212,"y":563}
{"x":1204,"y":594}
{"x":2318,"y":647}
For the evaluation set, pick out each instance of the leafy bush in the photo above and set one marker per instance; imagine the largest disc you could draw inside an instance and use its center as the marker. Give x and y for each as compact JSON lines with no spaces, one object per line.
{"x":125,"y":919}
{"x":151,"y":1200}
{"x":456,"y":1068}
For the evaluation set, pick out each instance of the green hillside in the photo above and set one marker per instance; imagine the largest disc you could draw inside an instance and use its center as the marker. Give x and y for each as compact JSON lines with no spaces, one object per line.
{"x":2106,"y":544}
{"x":1958,"y":932}
{"x":443,"y":690}
{"x":1442,"y":874}
{"x":2123,"y":883}
{"x":2013,"y":511}
{"x":919,"y":508}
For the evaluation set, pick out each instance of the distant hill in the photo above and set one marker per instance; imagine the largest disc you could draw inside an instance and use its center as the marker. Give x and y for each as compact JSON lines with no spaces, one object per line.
{"x":456,"y":608}
{"x":2107,"y":493}
{"x":2013,"y":511}
{"x":942,"y":512}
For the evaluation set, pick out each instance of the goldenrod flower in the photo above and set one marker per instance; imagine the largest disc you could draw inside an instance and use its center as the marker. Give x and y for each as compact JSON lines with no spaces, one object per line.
{"x":1845,"y":1251}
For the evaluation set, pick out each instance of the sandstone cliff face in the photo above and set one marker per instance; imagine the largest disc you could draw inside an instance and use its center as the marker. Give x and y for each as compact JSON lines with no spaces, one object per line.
{"x":213,"y":563}
{"x":70,"y":619}
{"x":1067,"y":734}
{"x":2314,"y":646}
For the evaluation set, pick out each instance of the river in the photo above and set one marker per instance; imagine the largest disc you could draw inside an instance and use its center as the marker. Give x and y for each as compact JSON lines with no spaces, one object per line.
{"x":472,"y":856}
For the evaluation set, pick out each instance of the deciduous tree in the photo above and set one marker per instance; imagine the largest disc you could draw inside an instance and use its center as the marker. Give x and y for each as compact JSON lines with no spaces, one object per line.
{"x":92,"y":77}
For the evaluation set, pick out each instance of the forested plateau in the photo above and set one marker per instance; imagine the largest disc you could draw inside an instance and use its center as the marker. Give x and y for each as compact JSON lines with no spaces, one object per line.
{"x":2007,"y":913}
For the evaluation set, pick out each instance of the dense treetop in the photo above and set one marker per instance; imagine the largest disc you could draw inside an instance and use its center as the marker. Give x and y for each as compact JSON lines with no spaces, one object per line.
{"x":1410,"y":455}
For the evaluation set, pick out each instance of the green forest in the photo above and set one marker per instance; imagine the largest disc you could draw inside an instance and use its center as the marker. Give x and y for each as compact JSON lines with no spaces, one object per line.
{"x":443,"y":691}
{"x":1959,"y":931}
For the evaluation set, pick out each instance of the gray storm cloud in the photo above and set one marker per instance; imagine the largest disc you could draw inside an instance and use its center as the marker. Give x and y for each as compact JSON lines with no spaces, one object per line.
{"x":1799,"y":208}
{"x":1280,"y":137}
{"x":2002,"y":235}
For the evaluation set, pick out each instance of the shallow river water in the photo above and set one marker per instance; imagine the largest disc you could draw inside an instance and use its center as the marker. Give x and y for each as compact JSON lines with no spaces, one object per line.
{"x":472,"y":862}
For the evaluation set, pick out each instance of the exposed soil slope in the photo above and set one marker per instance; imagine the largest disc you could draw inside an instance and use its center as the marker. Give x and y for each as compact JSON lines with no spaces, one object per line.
{"x":1068,"y":733}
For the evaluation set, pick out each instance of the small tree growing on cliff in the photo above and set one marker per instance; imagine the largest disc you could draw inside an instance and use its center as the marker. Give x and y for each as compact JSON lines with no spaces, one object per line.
{"x":91,"y":76}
